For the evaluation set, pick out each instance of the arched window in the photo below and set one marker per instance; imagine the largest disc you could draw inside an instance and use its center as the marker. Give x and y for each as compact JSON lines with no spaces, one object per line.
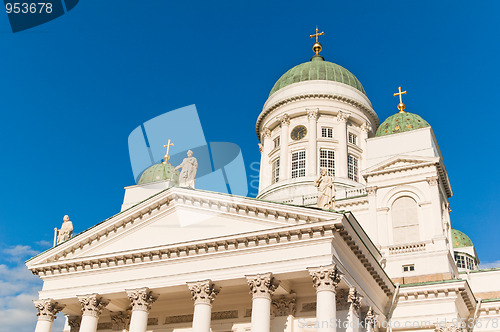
{"x":405,"y":220}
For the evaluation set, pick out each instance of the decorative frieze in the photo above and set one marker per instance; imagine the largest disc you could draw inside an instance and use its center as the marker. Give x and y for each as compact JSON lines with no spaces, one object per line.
{"x":92,"y":304}
{"x":261,"y":147}
{"x":325,"y":278}
{"x":119,"y":320}
{"x":141,"y":299}
{"x":354,"y":299}
{"x":262,"y":285}
{"x":47,"y":309}
{"x":284,"y":305}
{"x":203,"y":292}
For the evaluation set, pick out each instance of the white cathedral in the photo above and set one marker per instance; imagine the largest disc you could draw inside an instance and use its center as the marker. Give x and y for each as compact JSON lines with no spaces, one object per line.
{"x":384,"y":258}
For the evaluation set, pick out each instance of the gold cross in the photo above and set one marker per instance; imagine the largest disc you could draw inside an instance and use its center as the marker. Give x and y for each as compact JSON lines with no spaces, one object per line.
{"x":317,"y":34}
{"x":401,"y":106}
{"x":167,"y":156}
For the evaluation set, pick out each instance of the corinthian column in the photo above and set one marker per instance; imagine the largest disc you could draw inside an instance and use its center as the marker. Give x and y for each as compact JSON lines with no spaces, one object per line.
{"x":265,"y":167}
{"x":262,"y":287}
{"x":47,"y":311}
{"x":370,"y":320}
{"x":354,"y":300}
{"x":141,"y":300}
{"x":312,"y":147}
{"x":325,"y":280}
{"x":203,"y":293}
{"x":284,"y":159}
{"x":341,"y":157}
{"x":92,"y":306}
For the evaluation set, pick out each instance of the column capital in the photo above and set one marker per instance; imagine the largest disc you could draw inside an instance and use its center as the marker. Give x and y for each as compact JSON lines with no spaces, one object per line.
{"x":433,"y":180}
{"x":284,"y":119}
{"x":354,"y":299}
{"x":266,"y":132}
{"x":203,"y":292}
{"x":141,"y":299}
{"x":47,"y":309}
{"x":284,"y":305}
{"x":370,"y":320}
{"x":74,"y":323}
{"x":342,"y":116}
{"x":312,"y":113}
{"x":119,"y":320}
{"x":325,"y":278}
{"x":92,"y":304}
{"x":448,"y":328}
{"x":365,"y":127}
{"x":262,"y":285}
{"x":371,"y":190}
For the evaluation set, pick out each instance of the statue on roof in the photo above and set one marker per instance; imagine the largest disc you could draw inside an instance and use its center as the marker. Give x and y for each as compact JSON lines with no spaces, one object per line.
{"x":66,"y":231}
{"x":326,"y":190}
{"x":188,"y":174}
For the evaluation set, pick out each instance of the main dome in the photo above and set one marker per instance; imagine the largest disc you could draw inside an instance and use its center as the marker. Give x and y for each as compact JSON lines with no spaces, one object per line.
{"x":401,"y":122}
{"x":317,"y":69}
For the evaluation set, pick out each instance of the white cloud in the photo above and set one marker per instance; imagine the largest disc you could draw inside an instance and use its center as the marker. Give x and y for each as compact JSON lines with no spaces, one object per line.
{"x":489,"y":265}
{"x":18,"y":252}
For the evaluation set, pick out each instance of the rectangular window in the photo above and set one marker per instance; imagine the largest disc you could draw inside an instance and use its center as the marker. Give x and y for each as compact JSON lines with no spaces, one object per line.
{"x":327,"y":132}
{"x":299,"y":164}
{"x":277,"y":142}
{"x":408,"y":268}
{"x":327,"y":160}
{"x":353,"y":139}
{"x":276,"y":171}
{"x":460,"y":259}
{"x":352,"y":167}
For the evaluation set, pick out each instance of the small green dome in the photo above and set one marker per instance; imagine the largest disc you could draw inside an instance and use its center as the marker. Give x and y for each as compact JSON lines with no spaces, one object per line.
{"x":159,"y":172}
{"x":401,"y":122}
{"x":459,"y":239}
{"x":317,"y":69}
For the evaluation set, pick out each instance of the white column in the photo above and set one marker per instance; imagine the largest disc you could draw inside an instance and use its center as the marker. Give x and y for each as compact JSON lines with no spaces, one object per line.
{"x":92,"y":306}
{"x":325,"y":280}
{"x":284,"y":152}
{"x":203,"y":293}
{"x":312,"y":146}
{"x":47,"y":311}
{"x":364,"y":129}
{"x":354,"y":300}
{"x":284,"y":308}
{"x":370,"y":320}
{"x":341,"y":136}
{"x":141,"y":300}
{"x":372,"y":227}
{"x":262,"y":287}
{"x":265,"y":166}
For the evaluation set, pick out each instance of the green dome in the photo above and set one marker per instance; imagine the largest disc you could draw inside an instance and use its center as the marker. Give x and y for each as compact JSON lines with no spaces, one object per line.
{"x":459,"y":239}
{"x":317,"y":69}
{"x":401,"y":122}
{"x":159,"y":172}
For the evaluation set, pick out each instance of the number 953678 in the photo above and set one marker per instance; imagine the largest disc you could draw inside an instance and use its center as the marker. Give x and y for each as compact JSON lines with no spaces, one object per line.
{"x":28,"y":7}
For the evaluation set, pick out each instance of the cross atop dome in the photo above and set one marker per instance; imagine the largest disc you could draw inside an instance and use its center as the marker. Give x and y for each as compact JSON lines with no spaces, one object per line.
{"x":317,"y":46}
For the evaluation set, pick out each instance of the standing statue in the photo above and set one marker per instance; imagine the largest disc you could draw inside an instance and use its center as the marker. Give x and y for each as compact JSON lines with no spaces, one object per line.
{"x":326,"y":190}
{"x":66,"y":231}
{"x":188,"y":174}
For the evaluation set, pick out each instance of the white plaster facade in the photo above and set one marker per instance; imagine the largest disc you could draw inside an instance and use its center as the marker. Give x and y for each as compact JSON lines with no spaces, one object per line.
{"x":178,"y":259}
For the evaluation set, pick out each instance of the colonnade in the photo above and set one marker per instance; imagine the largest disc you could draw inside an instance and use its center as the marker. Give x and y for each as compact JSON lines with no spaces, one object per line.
{"x":262,"y":287}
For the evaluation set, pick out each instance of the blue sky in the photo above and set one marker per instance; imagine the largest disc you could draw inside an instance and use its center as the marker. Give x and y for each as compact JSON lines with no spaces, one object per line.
{"x":73,"y":89}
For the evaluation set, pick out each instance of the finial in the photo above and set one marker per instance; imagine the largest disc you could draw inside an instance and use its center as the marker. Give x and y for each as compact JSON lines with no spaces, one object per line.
{"x":167,"y":156}
{"x":401,"y":106}
{"x":317,"y":46}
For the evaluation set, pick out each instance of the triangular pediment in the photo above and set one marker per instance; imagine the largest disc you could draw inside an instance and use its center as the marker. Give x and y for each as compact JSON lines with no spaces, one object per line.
{"x":178,"y":217}
{"x":397,"y":163}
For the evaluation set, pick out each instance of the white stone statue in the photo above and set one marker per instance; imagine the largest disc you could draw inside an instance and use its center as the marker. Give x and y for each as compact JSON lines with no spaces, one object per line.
{"x":66,"y":231}
{"x":326,"y":190}
{"x":188,"y":174}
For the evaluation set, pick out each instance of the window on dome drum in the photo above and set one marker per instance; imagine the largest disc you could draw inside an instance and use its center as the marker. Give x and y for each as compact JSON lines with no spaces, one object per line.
{"x":405,"y":223}
{"x":277,"y":142}
{"x":464,"y":262}
{"x":276,"y":171}
{"x":352,"y":167}
{"x":353,"y":139}
{"x":327,"y":160}
{"x":408,"y":268}
{"x":299,"y":164}
{"x":327,"y":132}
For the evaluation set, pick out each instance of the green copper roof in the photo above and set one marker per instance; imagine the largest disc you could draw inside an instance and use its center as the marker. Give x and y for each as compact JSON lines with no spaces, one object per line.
{"x":159,"y":172}
{"x":317,"y":69}
{"x":459,"y":239}
{"x":401,"y":122}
